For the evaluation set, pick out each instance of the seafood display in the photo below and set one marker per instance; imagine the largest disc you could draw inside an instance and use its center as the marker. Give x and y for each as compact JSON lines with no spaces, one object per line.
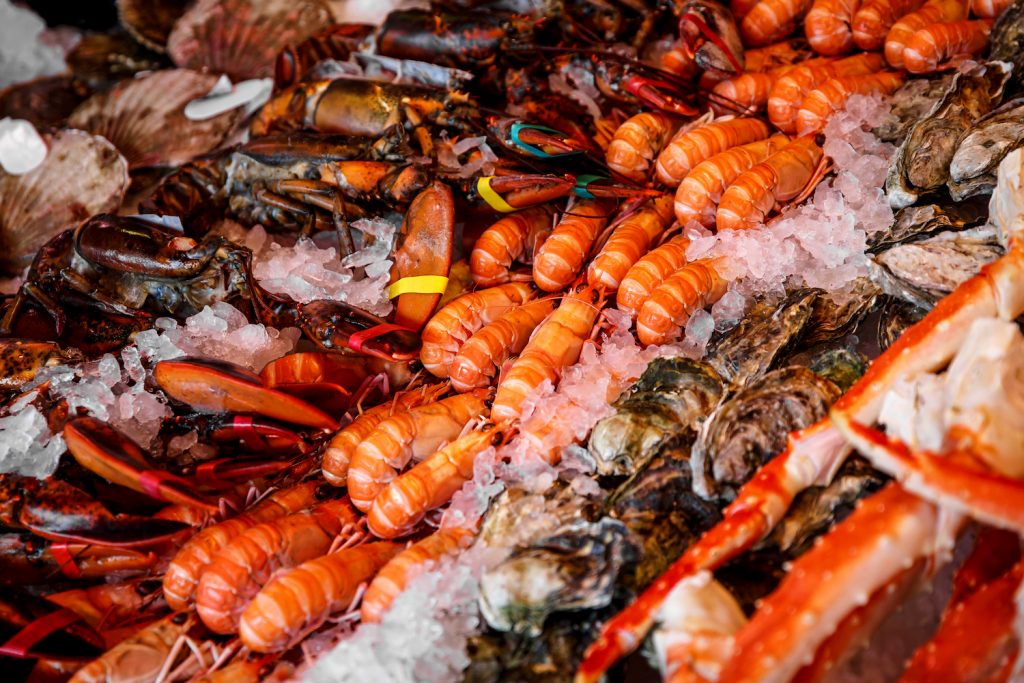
{"x":514,"y":340}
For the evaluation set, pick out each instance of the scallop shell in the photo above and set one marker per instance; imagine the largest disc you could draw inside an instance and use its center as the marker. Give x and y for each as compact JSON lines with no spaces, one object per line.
{"x":45,"y":102}
{"x":241,"y":38}
{"x":82,"y":175}
{"x":144,"y":117}
{"x":151,"y":21}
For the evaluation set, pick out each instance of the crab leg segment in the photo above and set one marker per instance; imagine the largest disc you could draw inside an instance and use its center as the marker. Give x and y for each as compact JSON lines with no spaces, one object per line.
{"x":884,"y":536}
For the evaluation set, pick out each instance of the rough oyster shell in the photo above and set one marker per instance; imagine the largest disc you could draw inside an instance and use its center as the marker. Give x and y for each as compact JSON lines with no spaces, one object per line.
{"x":82,"y":175}
{"x":921,"y":163}
{"x":896,"y":316}
{"x":916,"y":223}
{"x":144,"y":117}
{"x":973,"y":169}
{"x":45,"y":102}
{"x":836,"y":314}
{"x":241,"y":38}
{"x":1006,"y":40}
{"x":150,"y":21}
{"x":909,"y":104}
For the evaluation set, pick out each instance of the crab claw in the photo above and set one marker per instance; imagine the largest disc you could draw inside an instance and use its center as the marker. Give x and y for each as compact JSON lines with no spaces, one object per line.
{"x":511,"y":192}
{"x":216,"y":386}
{"x":334,"y":325}
{"x":102,"y":449}
{"x":423,"y":258}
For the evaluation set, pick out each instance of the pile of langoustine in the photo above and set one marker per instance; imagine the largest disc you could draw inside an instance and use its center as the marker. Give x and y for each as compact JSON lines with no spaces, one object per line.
{"x":312,"y":493}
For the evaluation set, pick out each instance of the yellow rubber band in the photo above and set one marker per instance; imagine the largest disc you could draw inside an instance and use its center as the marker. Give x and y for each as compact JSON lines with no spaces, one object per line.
{"x":483,"y":186}
{"x":418,"y":284}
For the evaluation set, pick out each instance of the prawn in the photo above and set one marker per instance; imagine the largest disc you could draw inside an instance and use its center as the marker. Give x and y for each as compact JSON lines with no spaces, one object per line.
{"x":871,"y":23}
{"x":748,"y":93}
{"x":828,"y":26}
{"x":302,"y":598}
{"x":933,"y":11}
{"x":246,"y":564}
{"x":630,"y":240}
{"x":702,"y":188}
{"x":760,"y":190}
{"x":831,"y":97}
{"x":663,"y":315}
{"x":339,"y":451}
{"x":184,"y":571}
{"x":989,"y":9}
{"x":637,"y":143}
{"x":648,"y":273}
{"x":456,"y":322}
{"x":514,"y":237}
{"x":789,"y":91}
{"x":556,"y":343}
{"x":482,"y":356}
{"x":430,"y":484}
{"x":694,"y":146}
{"x":561,"y":257}
{"x":784,"y":53}
{"x":772,"y":20}
{"x":930,"y":48}
{"x":411,"y":435}
{"x":407,"y":565}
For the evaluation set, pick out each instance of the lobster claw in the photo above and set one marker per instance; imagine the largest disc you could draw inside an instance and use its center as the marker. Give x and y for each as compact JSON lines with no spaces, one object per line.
{"x":227,"y":472}
{"x":56,"y":510}
{"x":427,"y":239}
{"x":659,"y":95}
{"x":254,"y":432}
{"x":512,"y":192}
{"x":34,"y":627}
{"x":220,"y":387}
{"x":334,"y":325}
{"x":593,"y":187}
{"x":102,"y":449}
{"x":540,"y":142}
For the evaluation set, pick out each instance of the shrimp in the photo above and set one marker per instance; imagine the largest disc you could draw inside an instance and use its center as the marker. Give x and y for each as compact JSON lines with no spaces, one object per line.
{"x":663,"y":315}
{"x":699,"y":193}
{"x":933,"y":11}
{"x":772,"y":20}
{"x":694,"y":146}
{"x":648,"y":273}
{"x":828,"y":26}
{"x":479,"y":360}
{"x":777,"y":179}
{"x":302,"y":598}
{"x":514,"y":237}
{"x":873,"y":20}
{"x":744,"y":94}
{"x":410,"y":435}
{"x":988,"y":9}
{"x":456,"y":322}
{"x":637,"y":143}
{"x":247,"y":563}
{"x":430,"y":484}
{"x":628,"y":242}
{"x":407,"y":565}
{"x":929,"y":49}
{"x":741,"y":8}
{"x":789,"y":91}
{"x":184,"y":571}
{"x":831,"y":97}
{"x":112,"y":605}
{"x":785,"y":53}
{"x":556,"y":343}
{"x":561,"y":257}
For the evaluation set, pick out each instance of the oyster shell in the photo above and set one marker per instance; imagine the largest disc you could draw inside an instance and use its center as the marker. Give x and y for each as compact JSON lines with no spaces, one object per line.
{"x":836,"y":314}
{"x":923,"y":272}
{"x":45,"y":102}
{"x":921,"y":163}
{"x":909,"y":104}
{"x":82,"y":175}
{"x":842,"y":366}
{"x":150,"y":21}
{"x":241,"y":38}
{"x":896,"y":316}
{"x":144,"y":117}
{"x":1006,"y":40}
{"x":751,"y":427}
{"x":973,"y":169}
{"x":663,"y":406}
{"x":919,"y":222}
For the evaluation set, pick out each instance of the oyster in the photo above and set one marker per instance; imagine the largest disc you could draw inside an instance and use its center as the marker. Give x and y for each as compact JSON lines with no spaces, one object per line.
{"x":973,"y":169}
{"x":921,"y":163}
{"x":896,"y":316}
{"x":764,"y":335}
{"x":924,"y":272}
{"x":909,"y":105}
{"x":519,"y":516}
{"x":918,"y":222}
{"x":1006,"y":40}
{"x":842,"y":366}
{"x":751,"y":427}
{"x":836,"y":314}
{"x":664,"y":405}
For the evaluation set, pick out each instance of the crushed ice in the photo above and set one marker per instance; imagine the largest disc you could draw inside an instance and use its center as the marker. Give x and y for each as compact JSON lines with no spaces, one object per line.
{"x":23,"y":56}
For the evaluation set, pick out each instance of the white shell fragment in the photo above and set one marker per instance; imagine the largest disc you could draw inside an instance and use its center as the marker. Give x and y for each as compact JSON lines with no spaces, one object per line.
{"x":21,"y":147}
{"x":224,"y":97}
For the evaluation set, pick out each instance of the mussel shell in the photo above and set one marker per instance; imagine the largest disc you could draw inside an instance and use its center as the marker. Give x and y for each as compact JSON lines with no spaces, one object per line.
{"x":82,"y":175}
{"x":242,"y":38}
{"x":752,"y":427}
{"x":916,"y":223}
{"x":45,"y":102}
{"x":837,"y":313}
{"x":923,"y":272}
{"x":973,"y":168}
{"x":662,"y":407}
{"x":150,"y":21}
{"x":895,"y":317}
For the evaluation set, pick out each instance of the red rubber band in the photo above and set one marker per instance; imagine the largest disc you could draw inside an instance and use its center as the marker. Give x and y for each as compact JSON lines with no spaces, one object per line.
{"x":356,"y":340}
{"x":22,"y":641}
{"x":243,"y":427}
{"x":65,"y":560}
